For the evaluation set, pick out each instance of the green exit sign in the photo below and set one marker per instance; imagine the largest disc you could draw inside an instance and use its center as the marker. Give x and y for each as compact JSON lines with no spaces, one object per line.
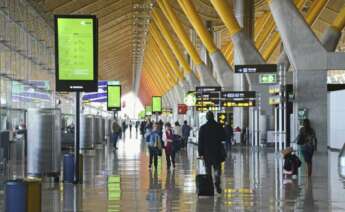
{"x":268,"y":78}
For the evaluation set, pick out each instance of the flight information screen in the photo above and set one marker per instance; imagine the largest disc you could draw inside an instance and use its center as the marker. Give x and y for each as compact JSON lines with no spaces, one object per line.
{"x":76,"y":52}
{"x":114,"y":97}
{"x":156,"y":104}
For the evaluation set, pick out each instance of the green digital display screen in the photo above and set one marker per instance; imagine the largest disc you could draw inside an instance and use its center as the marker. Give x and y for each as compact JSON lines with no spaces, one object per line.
{"x":76,"y":52}
{"x":114,"y":97}
{"x":156,"y":104}
{"x":148,"y":110}
{"x":141,"y":114}
{"x":75,"y":48}
{"x":267,"y":78}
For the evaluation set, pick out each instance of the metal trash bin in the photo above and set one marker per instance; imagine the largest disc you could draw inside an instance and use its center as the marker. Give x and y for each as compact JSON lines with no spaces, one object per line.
{"x":68,"y":168}
{"x":87,"y":132}
{"x":97,"y":130}
{"x":34,"y":194}
{"x":44,"y":142}
{"x":103,"y":129}
{"x":15,"y":196}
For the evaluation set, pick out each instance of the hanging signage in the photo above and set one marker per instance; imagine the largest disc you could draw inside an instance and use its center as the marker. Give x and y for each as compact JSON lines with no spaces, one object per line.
{"x":238,"y":99}
{"x":190,"y":98}
{"x":274,"y":100}
{"x":274,"y":89}
{"x":156,"y":104}
{"x":221,"y":118}
{"x":256,"y":68}
{"x":76,"y":52}
{"x":167,"y":111}
{"x":113,"y":97}
{"x":208,"y":98}
{"x":148,"y":110}
{"x":182,"y":109}
{"x":268,"y":78}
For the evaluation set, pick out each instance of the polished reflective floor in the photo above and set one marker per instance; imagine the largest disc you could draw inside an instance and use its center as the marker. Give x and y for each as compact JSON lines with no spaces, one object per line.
{"x":252,"y":181}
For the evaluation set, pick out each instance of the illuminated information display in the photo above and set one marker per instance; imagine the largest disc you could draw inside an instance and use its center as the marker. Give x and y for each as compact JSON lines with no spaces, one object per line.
{"x":156,"y":104}
{"x":238,"y":99}
{"x":76,"y":53}
{"x":148,"y":110}
{"x":268,"y":78}
{"x":167,"y":111}
{"x":114,"y":97}
{"x":258,"y":68}
{"x":208,"y":98}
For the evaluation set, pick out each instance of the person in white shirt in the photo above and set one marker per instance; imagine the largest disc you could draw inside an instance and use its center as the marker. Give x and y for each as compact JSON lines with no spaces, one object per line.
{"x":178,"y":129}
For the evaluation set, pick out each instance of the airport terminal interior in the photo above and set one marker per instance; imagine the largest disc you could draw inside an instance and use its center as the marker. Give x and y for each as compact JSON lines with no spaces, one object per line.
{"x":172,"y":105}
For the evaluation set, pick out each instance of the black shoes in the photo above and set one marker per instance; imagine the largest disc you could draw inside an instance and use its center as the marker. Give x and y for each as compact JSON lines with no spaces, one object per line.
{"x":219,"y":190}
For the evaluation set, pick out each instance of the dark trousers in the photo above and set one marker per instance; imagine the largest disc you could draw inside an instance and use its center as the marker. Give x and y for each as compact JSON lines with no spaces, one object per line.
{"x":170,"y":157}
{"x":153,"y":156}
{"x":115,"y":138}
{"x":217,"y":171}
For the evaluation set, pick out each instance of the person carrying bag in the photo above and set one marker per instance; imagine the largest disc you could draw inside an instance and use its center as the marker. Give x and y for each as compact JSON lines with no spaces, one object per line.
{"x":155,"y":146}
{"x":308,"y":143}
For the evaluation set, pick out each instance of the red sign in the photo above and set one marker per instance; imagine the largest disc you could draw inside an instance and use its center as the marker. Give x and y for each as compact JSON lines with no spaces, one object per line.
{"x":182,"y":109}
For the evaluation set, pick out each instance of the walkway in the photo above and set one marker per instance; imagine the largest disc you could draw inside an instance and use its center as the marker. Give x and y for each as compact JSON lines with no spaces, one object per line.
{"x":252,"y":181}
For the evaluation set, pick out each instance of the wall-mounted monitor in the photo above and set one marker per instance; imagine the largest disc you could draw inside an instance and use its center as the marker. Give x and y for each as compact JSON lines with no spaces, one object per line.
{"x":76,"y":53}
{"x":114,"y":97}
{"x":156,"y":104}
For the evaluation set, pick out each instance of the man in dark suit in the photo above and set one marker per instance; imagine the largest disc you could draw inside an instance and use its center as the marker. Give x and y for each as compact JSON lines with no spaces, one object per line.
{"x":210,"y":147}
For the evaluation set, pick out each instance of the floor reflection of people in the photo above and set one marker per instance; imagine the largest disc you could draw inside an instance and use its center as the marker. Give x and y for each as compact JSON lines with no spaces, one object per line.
{"x":291,"y":193}
{"x":309,"y":203}
{"x":172,"y":193}
{"x":154,"y":191}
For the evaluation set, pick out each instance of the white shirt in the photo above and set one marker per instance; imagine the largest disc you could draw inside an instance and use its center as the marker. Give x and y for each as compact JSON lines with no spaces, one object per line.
{"x":178,"y":130}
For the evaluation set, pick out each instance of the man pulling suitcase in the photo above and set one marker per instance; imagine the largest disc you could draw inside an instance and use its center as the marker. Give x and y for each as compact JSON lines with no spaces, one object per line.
{"x":211,"y":150}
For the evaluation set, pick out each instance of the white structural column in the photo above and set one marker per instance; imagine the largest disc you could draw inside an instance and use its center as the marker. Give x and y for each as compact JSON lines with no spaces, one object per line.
{"x":310,"y":60}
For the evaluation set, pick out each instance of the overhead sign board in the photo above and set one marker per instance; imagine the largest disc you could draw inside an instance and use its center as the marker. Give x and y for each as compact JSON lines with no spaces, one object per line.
{"x":156,"y":104}
{"x":257,"y":68}
{"x":167,"y":111}
{"x":182,"y":109}
{"x":238,"y":99}
{"x":274,"y":89}
{"x":114,"y":97}
{"x":274,"y":100}
{"x":76,"y":52}
{"x":190,"y":98}
{"x":208,"y":98}
{"x":268,"y":78}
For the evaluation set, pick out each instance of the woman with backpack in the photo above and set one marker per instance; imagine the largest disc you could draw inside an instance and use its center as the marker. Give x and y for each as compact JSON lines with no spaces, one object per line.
{"x":308,"y":142}
{"x":155,"y":146}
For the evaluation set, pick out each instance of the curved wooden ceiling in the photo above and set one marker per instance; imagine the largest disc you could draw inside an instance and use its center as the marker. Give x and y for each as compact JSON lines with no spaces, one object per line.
{"x":123,"y":30}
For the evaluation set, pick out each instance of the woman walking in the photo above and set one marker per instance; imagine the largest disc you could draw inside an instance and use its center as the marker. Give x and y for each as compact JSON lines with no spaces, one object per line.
{"x":308,"y":142}
{"x":168,"y":143}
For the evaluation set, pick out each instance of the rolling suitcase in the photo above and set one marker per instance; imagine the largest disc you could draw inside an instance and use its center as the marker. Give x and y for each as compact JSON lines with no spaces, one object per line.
{"x":204,"y":182}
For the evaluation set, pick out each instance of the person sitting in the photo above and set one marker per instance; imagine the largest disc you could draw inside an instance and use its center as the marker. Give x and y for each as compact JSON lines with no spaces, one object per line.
{"x":291,"y":163}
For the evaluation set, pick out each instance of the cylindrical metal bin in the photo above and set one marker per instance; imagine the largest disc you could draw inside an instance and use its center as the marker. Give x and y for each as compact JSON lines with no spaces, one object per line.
{"x":34,"y":194}
{"x":87,"y":132}
{"x":103,"y":129}
{"x":68,"y":168}
{"x":44,"y":142}
{"x":110,"y":123}
{"x":15,"y":196}
{"x":98,"y":129}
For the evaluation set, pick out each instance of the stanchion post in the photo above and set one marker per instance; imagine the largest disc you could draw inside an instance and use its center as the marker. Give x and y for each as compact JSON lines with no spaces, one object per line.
{"x":77,"y":139}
